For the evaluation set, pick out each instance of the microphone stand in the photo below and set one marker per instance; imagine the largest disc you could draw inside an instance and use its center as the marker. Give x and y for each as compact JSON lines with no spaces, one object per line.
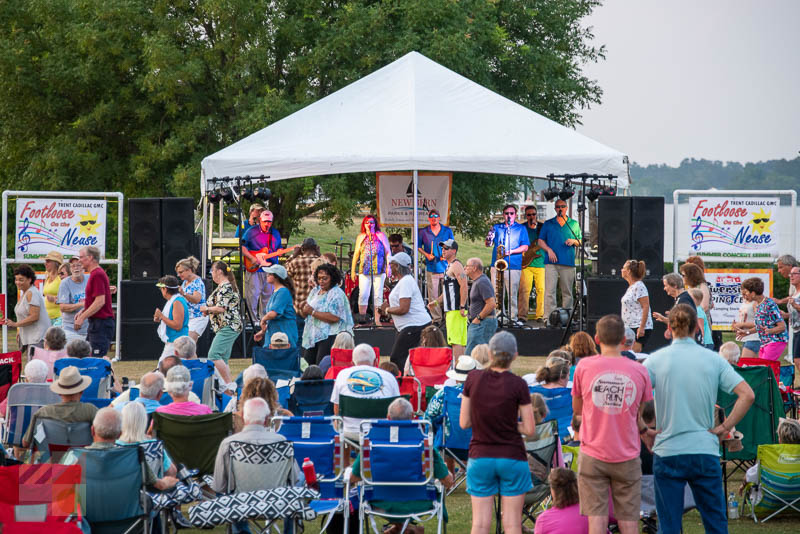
{"x":578,"y":301}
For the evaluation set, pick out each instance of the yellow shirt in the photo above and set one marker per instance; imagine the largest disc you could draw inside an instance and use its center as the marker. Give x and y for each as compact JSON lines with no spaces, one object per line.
{"x":51,"y":288}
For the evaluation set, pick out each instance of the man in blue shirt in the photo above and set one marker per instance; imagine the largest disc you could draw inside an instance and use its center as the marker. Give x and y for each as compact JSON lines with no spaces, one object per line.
{"x":559,"y":238}
{"x":514,"y":238}
{"x":430,"y":246}
{"x":686,"y":378}
{"x":261,"y":238}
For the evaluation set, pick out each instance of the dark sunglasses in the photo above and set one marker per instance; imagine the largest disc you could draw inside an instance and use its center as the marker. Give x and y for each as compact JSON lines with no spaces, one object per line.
{"x":433,"y":216}
{"x":757,"y":221}
{"x":509,"y":213}
{"x":84,"y":223}
{"x":530,"y":215}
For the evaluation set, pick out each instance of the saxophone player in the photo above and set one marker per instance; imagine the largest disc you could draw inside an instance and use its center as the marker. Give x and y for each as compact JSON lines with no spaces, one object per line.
{"x":514,"y":239}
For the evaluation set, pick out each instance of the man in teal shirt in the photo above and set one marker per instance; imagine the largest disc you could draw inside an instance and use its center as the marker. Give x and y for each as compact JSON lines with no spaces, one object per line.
{"x":533,"y":274}
{"x":559,"y":238}
{"x":686,"y":378}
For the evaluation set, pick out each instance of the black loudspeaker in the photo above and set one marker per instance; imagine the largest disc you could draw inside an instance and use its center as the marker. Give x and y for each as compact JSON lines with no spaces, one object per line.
{"x":614,"y":234}
{"x":139,"y":299}
{"x":647,"y":234}
{"x":144,"y":230}
{"x":140,"y":340}
{"x":177,"y":232}
{"x":603,"y":296}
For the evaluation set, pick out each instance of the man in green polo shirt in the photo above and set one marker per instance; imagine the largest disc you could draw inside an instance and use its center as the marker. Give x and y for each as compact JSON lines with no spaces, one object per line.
{"x":559,"y":238}
{"x":533,"y":274}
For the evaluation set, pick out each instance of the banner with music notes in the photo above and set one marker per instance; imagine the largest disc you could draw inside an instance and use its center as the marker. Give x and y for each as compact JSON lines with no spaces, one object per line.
{"x":63,"y":225}
{"x":725,"y":286}
{"x":735,"y":228}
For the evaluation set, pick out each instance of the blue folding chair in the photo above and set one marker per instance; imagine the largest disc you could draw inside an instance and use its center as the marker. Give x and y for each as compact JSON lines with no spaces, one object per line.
{"x":202,"y":372}
{"x":317,"y":438}
{"x":559,"y":407}
{"x":397,"y":466}
{"x":455,"y":441}
{"x":312,"y":398}
{"x":284,"y":393}
{"x":787,"y":379}
{"x":279,"y":363}
{"x":24,"y":400}
{"x":98,"y":369}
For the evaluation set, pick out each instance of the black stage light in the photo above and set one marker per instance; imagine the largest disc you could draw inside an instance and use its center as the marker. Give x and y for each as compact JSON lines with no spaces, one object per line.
{"x":226,"y":194}
{"x":262,"y":193}
{"x":566,"y":192}
{"x":247,"y":194}
{"x":213,"y":196}
{"x":558,"y":317}
{"x":609,"y":191}
{"x":551,"y":192}
{"x":593,"y":192}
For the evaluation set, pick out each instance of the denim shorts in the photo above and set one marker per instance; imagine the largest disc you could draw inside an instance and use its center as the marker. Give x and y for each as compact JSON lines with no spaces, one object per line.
{"x":487,"y":477}
{"x":752,"y":345}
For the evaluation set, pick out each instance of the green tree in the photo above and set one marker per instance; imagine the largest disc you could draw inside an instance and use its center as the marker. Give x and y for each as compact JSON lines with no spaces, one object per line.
{"x":130,"y":95}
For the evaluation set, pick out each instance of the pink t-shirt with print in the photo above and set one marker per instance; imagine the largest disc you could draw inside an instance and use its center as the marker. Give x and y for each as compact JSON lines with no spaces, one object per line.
{"x":184,"y":408}
{"x":612,"y":388}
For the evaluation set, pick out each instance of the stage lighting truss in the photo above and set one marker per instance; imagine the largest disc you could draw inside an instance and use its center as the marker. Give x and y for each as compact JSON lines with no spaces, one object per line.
{"x":551,"y":192}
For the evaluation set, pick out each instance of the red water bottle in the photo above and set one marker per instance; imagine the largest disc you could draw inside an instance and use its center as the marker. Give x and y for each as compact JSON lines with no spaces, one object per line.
{"x":310,"y":473}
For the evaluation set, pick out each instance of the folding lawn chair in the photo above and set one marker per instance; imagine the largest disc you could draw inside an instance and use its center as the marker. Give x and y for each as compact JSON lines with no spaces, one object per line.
{"x":411,"y":387}
{"x":10,"y":368}
{"x":53,"y":438}
{"x":760,"y":423}
{"x":24,"y":400}
{"x":778,"y":485}
{"x":49,"y":357}
{"x":113,"y":492}
{"x":543,"y":453}
{"x":343,"y":358}
{"x":202,"y":372}
{"x":318,"y":439}
{"x":362,"y":408}
{"x":98,"y":369}
{"x":789,"y":400}
{"x":571,"y":453}
{"x":311,"y":398}
{"x":430,"y":364}
{"x":279,"y":363}
{"x":38,"y":493}
{"x":193,"y":440}
{"x":559,"y":407}
{"x":454,"y":440}
{"x":397,"y":467}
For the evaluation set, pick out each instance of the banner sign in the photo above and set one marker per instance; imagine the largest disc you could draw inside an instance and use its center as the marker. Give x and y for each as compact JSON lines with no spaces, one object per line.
{"x":726,"y":292}
{"x":64,"y":225}
{"x":395,"y":192}
{"x":734,"y":228}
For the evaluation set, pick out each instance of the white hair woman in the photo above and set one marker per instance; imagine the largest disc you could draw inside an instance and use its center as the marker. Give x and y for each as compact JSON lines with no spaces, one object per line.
{"x":134,"y":432}
{"x":179,"y":385}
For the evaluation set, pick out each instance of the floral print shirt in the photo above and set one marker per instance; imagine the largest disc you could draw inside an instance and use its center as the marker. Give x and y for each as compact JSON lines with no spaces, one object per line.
{"x":767,"y":316}
{"x":195,"y":286}
{"x":228,"y":298}
{"x":333,"y":301}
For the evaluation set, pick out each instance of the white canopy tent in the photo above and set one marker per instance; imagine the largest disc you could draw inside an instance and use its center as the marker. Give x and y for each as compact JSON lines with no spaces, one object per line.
{"x":414,"y":114}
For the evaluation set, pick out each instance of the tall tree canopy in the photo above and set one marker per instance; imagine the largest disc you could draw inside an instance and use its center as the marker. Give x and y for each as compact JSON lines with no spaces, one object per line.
{"x":130,"y":95}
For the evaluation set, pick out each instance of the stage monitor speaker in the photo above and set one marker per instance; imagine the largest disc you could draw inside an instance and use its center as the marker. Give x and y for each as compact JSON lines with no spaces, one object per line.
{"x":139,"y":340}
{"x":144,"y":232}
{"x":647,"y":234}
{"x":177,"y":232}
{"x":139,"y":300}
{"x":614,"y":234}
{"x":603,"y":296}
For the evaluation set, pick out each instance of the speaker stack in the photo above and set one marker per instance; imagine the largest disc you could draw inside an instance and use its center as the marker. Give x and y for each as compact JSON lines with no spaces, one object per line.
{"x":628,"y":228}
{"x":160,"y":232}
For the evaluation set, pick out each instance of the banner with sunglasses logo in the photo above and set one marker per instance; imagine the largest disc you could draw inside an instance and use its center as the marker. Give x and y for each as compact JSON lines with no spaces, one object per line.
{"x":63,"y":225}
{"x":725,"y":286}
{"x":735,"y":228}
{"x":395,"y":193}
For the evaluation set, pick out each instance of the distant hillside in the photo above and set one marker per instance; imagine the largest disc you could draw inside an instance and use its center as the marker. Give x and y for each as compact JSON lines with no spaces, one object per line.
{"x":662,"y":180}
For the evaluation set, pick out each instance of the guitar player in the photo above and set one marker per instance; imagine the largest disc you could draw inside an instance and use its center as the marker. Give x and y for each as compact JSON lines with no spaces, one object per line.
{"x":261,"y":248}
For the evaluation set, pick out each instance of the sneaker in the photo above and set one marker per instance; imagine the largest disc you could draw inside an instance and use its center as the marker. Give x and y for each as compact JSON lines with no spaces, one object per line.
{"x":179,"y":519}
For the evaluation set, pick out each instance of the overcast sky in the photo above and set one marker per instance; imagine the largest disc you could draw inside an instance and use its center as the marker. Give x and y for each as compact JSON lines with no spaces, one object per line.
{"x":712,"y":79}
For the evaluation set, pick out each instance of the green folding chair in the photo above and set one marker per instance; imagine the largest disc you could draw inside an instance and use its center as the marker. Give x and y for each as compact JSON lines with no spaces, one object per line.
{"x":778,"y":485}
{"x":363,"y":408}
{"x":193,"y":440}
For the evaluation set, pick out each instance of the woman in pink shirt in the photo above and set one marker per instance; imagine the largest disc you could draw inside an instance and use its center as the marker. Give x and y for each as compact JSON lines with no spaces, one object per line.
{"x":565,"y":515}
{"x":179,"y":385}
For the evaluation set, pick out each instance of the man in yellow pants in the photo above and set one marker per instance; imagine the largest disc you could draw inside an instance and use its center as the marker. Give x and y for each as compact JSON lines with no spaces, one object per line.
{"x":533,"y":274}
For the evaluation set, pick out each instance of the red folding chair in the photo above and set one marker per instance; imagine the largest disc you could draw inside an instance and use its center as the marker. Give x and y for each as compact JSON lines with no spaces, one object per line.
{"x":343,"y":358}
{"x":411,"y":386}
{"x":38,"y":493}
{"x":753,"y":362}
{"x":430,"y":365}
{"x":10,"y":367}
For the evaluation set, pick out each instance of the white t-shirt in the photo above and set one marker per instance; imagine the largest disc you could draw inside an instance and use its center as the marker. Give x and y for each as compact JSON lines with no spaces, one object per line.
{"x":747,"y":314}
{"x":363,"y":381}
{"x":417,"y":314}
{"x":632,"y":308}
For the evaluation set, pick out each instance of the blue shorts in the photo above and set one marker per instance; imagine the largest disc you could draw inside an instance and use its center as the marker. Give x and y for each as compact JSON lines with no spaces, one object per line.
{"x":487,"y":477}
{"x":752,"y":345}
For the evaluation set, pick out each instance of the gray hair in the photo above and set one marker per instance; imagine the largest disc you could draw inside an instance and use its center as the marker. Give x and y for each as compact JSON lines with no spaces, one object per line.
{"x":256,"y":410}
{"x":254,"y":371}
{"x":134,"y":423}
{"x":363,"y":354}
{"x":152,"y":385}
{"x":107,"y":423}
{"x":787,"y":259}
{"x":730,"y":351}
{"x":179,"y":381}
{"x":185,"y":347}
{"x":402,"y":270}
{"x":630,"y":337}
{"x":55,"y":338}
{"x":503,"y":346}
{"x":673,"y":280}
{"x":36,"y":371}
{"x":79,"y":348}
{"x":344,"y":340}
{"x":789,"y":431}
{"x":476,"y":262}
{"x":92,"y":251}
{"x":400,"y":410}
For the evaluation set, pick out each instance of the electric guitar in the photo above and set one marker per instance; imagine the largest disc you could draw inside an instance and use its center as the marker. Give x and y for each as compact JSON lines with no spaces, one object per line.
{"x":264,"y":254}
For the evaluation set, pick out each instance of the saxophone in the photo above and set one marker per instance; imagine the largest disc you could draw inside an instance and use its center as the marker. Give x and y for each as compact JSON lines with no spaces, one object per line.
{"x":500,"y":266}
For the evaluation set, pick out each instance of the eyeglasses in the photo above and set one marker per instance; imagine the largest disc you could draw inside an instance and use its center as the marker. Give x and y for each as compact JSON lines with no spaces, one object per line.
{"x":509,"y":213}
{"x":561,"y":207}
{"x":794,"y":274}
{"x":530,"y":215}
{"x":433,"y":216}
